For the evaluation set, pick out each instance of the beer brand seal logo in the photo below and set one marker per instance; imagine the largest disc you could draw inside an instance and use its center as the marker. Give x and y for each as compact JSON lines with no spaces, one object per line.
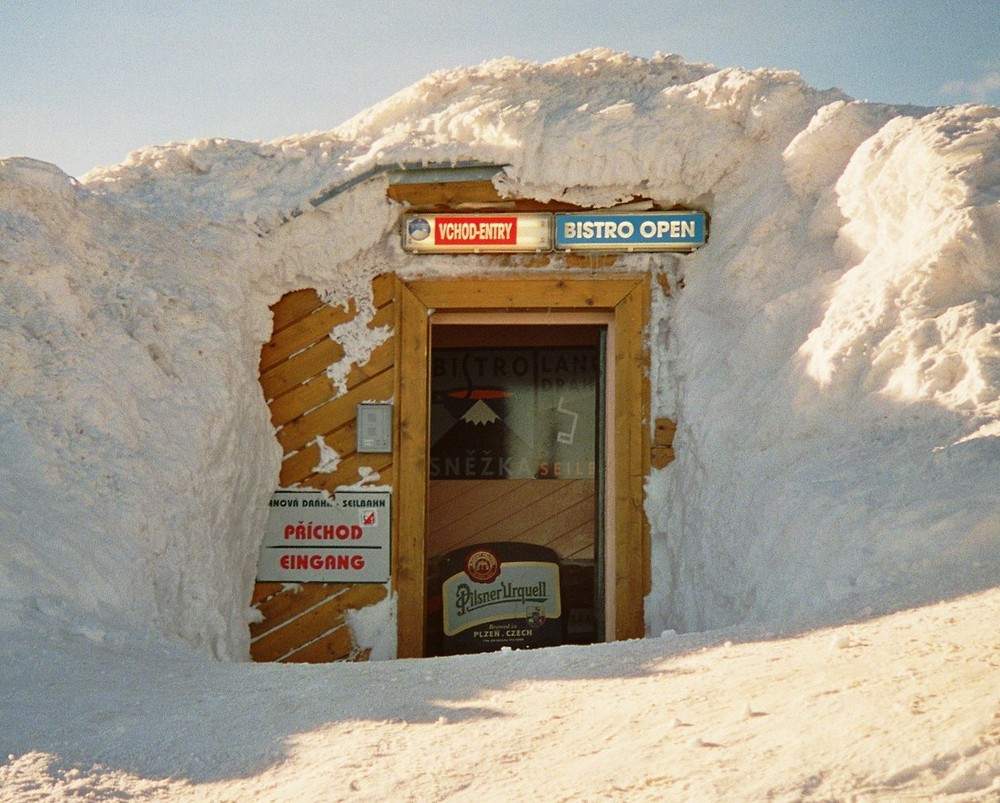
{"x":482,"y":565}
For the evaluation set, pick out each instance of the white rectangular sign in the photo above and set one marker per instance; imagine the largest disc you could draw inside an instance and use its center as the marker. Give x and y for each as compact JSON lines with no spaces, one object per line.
{"x":314,"y":537}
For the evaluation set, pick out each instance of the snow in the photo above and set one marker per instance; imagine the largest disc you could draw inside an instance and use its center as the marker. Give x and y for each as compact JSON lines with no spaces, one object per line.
{"x":827,"y":542}
{"x":899,"y":708}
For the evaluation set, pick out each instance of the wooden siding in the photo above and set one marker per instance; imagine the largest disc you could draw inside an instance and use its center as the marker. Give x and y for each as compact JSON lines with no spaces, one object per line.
{"x":474,"y":195}
{"x":558,"y":514}
{"x":307,"y":622}
{"x":661,"y":451}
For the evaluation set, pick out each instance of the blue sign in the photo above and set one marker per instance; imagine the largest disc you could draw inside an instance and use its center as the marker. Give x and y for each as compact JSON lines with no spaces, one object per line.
{"x":640,"y":231}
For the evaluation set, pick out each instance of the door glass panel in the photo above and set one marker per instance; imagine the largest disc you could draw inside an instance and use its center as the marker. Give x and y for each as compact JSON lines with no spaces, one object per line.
{"x":515,"y":446}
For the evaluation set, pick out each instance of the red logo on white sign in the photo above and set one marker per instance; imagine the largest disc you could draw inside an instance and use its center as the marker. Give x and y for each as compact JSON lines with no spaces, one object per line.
{"x":368,"y":518}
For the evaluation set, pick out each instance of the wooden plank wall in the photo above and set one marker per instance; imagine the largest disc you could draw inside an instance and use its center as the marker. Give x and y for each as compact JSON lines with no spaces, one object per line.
{"x":558,"y":514}
{"x":306,"y":622}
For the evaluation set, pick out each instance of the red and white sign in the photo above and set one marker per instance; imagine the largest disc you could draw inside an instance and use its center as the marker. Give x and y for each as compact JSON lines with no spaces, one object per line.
{"x":314,"y":537}
{"x":485,"y":233}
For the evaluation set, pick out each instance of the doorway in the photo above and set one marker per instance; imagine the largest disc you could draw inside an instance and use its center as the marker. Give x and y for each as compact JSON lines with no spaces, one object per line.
{"x":517,"y":455}
{"x":523,"y":418}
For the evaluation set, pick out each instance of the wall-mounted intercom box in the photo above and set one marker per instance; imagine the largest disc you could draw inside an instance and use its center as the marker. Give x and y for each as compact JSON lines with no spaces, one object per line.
{"x":374,"y":421}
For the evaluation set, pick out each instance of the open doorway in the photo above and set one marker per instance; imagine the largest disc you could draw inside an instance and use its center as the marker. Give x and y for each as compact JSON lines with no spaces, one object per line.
{"x":517,"y":455}
{"x":590,"y":318}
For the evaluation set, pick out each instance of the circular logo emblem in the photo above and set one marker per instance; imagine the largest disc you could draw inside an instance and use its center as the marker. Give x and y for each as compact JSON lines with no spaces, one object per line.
{"x":482,"y":566}
{"x":419,"y":229}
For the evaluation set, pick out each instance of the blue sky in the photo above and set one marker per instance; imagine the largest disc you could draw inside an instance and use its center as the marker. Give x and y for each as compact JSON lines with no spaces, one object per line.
{"x":84,"y":82}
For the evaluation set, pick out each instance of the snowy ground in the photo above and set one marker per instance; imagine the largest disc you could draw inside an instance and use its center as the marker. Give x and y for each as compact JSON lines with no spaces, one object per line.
{"x":900,"y":708}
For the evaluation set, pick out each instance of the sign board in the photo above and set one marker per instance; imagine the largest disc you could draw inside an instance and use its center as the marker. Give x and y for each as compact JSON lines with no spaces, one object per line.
{"x":502,"y":594}
{"x":641,"y":231}
{"x":479,"y":233}
{"x":314,"y":537}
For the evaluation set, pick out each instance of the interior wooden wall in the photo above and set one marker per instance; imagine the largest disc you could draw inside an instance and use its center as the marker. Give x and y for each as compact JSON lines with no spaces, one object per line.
{"x":558,"y":514}
{"x":306,"y":622}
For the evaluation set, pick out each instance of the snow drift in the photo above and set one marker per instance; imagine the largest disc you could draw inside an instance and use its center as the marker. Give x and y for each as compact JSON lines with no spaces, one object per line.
{"x":832,"y":356}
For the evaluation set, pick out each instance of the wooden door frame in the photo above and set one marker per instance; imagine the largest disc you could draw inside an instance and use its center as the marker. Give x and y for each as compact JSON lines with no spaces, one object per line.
{"x":627,"y":298}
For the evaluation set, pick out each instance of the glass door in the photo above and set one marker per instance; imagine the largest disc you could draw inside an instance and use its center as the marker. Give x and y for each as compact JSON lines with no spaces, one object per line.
{"x":516,"y":478}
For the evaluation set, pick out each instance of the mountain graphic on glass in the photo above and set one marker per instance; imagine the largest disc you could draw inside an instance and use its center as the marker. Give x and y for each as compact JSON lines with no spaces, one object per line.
{"x":478,"y":443}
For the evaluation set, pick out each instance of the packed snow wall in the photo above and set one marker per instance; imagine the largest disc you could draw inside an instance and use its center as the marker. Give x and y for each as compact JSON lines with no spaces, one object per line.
{"x":832,"y":356}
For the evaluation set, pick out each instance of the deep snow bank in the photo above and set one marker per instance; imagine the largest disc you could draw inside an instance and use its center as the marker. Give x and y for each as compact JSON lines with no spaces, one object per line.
{"x":129,"y":358}
{"x":831,"y":356}
{"x":844,"y":376}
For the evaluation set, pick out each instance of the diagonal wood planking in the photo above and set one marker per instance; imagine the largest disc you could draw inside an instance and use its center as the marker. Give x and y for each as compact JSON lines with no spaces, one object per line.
{"x":306,"y":623}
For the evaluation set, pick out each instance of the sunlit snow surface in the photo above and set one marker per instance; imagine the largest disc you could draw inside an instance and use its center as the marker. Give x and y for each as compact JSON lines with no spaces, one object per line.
{"x":900,"y":708}
{"x":832,"y":358}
